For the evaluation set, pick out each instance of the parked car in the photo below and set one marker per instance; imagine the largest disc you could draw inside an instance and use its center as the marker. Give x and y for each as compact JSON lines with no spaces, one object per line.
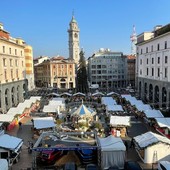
{"x":86,"y":156}
{"x":70,"y":166}
{"x":132,"y":165}
{"x":163,"y":165}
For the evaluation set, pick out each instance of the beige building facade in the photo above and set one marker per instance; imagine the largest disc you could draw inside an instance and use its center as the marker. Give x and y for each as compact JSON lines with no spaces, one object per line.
{"x":12,"y":71}
{"x":55,"y":72}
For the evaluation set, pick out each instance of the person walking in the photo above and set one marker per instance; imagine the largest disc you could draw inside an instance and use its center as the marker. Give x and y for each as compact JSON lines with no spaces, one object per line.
{"x":20,"y":125}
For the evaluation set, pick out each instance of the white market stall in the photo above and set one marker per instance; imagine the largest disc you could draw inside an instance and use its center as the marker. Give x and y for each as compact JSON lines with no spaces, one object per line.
{"x":119,"y":124}
{"x":10,"y":145}
{"x":112,"y":152}
{"x":152,"y":147}
{"x":4,"y":164}
{"x":44,"y":122}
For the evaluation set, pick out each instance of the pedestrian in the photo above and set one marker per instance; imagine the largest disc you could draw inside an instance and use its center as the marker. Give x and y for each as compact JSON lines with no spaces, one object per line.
{"x":126,"y":145}
{"x":132,"y":144}
{"x":20,"y":125}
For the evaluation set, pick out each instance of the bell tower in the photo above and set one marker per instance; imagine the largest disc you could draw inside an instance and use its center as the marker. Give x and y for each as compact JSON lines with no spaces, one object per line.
{"x":73,"y":42}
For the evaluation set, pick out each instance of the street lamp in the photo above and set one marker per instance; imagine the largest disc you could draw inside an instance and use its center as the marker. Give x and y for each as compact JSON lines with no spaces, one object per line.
{"x":1,"y":95}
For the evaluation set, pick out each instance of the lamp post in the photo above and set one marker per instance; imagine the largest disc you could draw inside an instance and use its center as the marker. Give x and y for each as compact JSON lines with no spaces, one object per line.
{"x":1,"y":95}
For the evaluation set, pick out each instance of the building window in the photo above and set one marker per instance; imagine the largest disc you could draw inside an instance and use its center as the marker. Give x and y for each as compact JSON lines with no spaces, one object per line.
{"x":146,"y":49}
{"x":10,"y":62}
{"x":147,"y":72}
{"x":140,"y":61}
{"x":70,"y":66}
{"x":140,"y":72}
{"x":70,"y":79}
{"x":147,"y":61}
{"x":11,"y":73}
{"x":152,"y":71}
{"x":3,"y":49}
{"x":158,"y":47}
{"x":93,"y":66}
{"x":158,"y":60}
{"x":22,"y":63}
{"x":16,"y":62}
{"x":152,"y":60}
{"x":166,"y":72}
{"x":158,"y":72}
{"x":141,"y":51}
{"x":165,"y":44}
{"x":166,"y":59}
{"x":9,"y":50}
{"x":152,"y":48}
{"x":15,"y":51}
{"x":4,"y":62}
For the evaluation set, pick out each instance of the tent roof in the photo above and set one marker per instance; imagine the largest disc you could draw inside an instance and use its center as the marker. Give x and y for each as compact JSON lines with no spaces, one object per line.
{"x":53,"y":94}
{"x":79,"y":94}
{"x":163,"y":121}
{"x":83,"y":110}
{"x":10,"y":142}
{"x":120,"y":120}
{"x":65,"y":93}
{"x":111,"y":143}
{"x":6,"y":118}
{"x":98,"y":94}
{"x":153,"y":113}
{"x":150,"y":138}
{"x":108,"y":101}
{"x":114,"y":108}
{"x":111,"y":93}
{"x":143,"y":107}
{"x":43,"y":122}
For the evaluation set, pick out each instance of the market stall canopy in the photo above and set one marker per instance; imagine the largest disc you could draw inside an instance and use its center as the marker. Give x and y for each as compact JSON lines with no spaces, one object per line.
{"x":150,"y":138}
{"x":153,"y":113}
{"x":143,"y":107}
{"x":114,"y":108}
{"x":79,"y":94}
{"x":112,"y":93}
{"x":10,"y":142}
{"x":120,"y":120}
{"x":44,"y":122}
{"x":35,"y":98}
{"x":53,"y":94}
{"x":6,"y":118}
{"x":4,"y":164}
{"x":163,"y":122}
{"x":98,"y":94}
{"x":108,"y":101}
{"x":66,"y":94}
{"x":111,"y":143}
{"x":49,"y":109}
{"x":136,"y":102}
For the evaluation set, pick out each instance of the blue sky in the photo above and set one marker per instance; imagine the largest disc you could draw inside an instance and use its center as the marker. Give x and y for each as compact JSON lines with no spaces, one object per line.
{"x":43,"y":24}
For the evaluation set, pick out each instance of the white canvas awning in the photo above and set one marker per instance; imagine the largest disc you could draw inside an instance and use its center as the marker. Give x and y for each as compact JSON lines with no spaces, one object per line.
{"x":10,"y":142}
{"x":44,"y":122}
{"x":66,"y":94}
{"x":111,"y":93}
{"x":50,"y":109}
{"x":98,"y":94}
{"x":120,"y":120}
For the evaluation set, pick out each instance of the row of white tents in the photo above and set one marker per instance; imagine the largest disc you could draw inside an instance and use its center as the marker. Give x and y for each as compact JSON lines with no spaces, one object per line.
{"x":9,"y":116}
